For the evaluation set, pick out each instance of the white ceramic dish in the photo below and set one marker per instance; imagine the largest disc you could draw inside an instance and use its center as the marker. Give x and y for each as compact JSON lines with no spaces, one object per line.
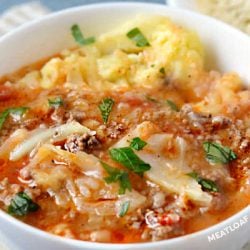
{"x":185,"y":4}
{"x":229,"y":48}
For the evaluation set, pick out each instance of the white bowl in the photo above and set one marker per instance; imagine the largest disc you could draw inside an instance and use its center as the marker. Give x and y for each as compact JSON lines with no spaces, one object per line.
{"x":227,"y":50}
{"x":185,"y":4}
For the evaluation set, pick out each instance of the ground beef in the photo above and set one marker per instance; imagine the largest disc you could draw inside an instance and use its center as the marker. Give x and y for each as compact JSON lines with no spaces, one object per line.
{"x":85,"y":142}
{"x":59,"y":115}
{"x":77,"y":115}
{"x":203,"y":122}
{"x":113,"y":131}
{"x":8,"y":190}
{"x":161,"y":225}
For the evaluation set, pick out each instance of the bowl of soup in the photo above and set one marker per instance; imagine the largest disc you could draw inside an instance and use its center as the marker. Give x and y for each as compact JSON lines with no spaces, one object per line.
{"x":124,"y":126}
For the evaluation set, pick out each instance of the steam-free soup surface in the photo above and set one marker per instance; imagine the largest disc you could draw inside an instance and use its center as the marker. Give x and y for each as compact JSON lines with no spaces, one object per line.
{"x":126,"y":138}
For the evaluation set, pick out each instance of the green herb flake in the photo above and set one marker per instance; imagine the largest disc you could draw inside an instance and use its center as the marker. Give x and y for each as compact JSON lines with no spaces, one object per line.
{"x":137,"y":143}
{"x":173,"y":106}
{"x":22,"y":204}
{"x":151,"y":99}
{"x":78,"y":36}
{"x":217,"y":153}
{"x":124,"y":208}
{"x":3,"y":117}
{"x":206,"y":184}
{"x":105,"y":108}
{"x":209,"y":185}
{"x":117,"y":175}
{"x":18,"y":111}
{"x":194,"y":175}
{"x":162,"y":71}
{"x":56,"y":102}
{"x":129,"y":159}
{"x":137,"y":36}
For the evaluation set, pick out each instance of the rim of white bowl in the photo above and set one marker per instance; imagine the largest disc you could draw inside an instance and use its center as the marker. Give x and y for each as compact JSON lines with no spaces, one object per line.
{"x":186,"y":4}
{"x":55,"y":14}
{"x":114,"y":246}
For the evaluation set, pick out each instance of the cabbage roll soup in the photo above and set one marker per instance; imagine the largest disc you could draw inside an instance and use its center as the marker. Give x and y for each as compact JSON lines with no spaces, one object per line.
{"x":124,"y":138}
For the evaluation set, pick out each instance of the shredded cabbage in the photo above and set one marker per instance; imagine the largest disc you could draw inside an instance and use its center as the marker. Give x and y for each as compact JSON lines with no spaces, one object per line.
{"x":40,"y":136}
{"x":170,"y":174}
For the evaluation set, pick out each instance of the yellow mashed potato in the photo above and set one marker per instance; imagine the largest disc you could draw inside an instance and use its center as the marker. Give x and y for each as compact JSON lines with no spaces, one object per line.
{"x":114,"y":62}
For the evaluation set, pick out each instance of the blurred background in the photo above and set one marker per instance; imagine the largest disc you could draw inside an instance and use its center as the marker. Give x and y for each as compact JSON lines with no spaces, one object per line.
{"x":16,"y":12}
{"x":61,"y":4}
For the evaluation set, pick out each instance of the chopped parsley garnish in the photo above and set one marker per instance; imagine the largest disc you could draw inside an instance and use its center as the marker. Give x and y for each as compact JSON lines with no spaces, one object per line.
{"x":105,"y":108}
{"x":19,"y":111}
{"x":22,"y":204}
{"x":216,"y":153}
{"x":162,"y":71}
{"x":56,"y":102}
{"x":151,"y":99}
{"x":172,"y":105}
{"x":78,"y":36}
{"x":129,"y":159}
{"x":137,"y":143}
{"x":206,"y":184}
{"x":117,"y":175}
{"x":124,"y":208}
{"x":137,"y":36}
